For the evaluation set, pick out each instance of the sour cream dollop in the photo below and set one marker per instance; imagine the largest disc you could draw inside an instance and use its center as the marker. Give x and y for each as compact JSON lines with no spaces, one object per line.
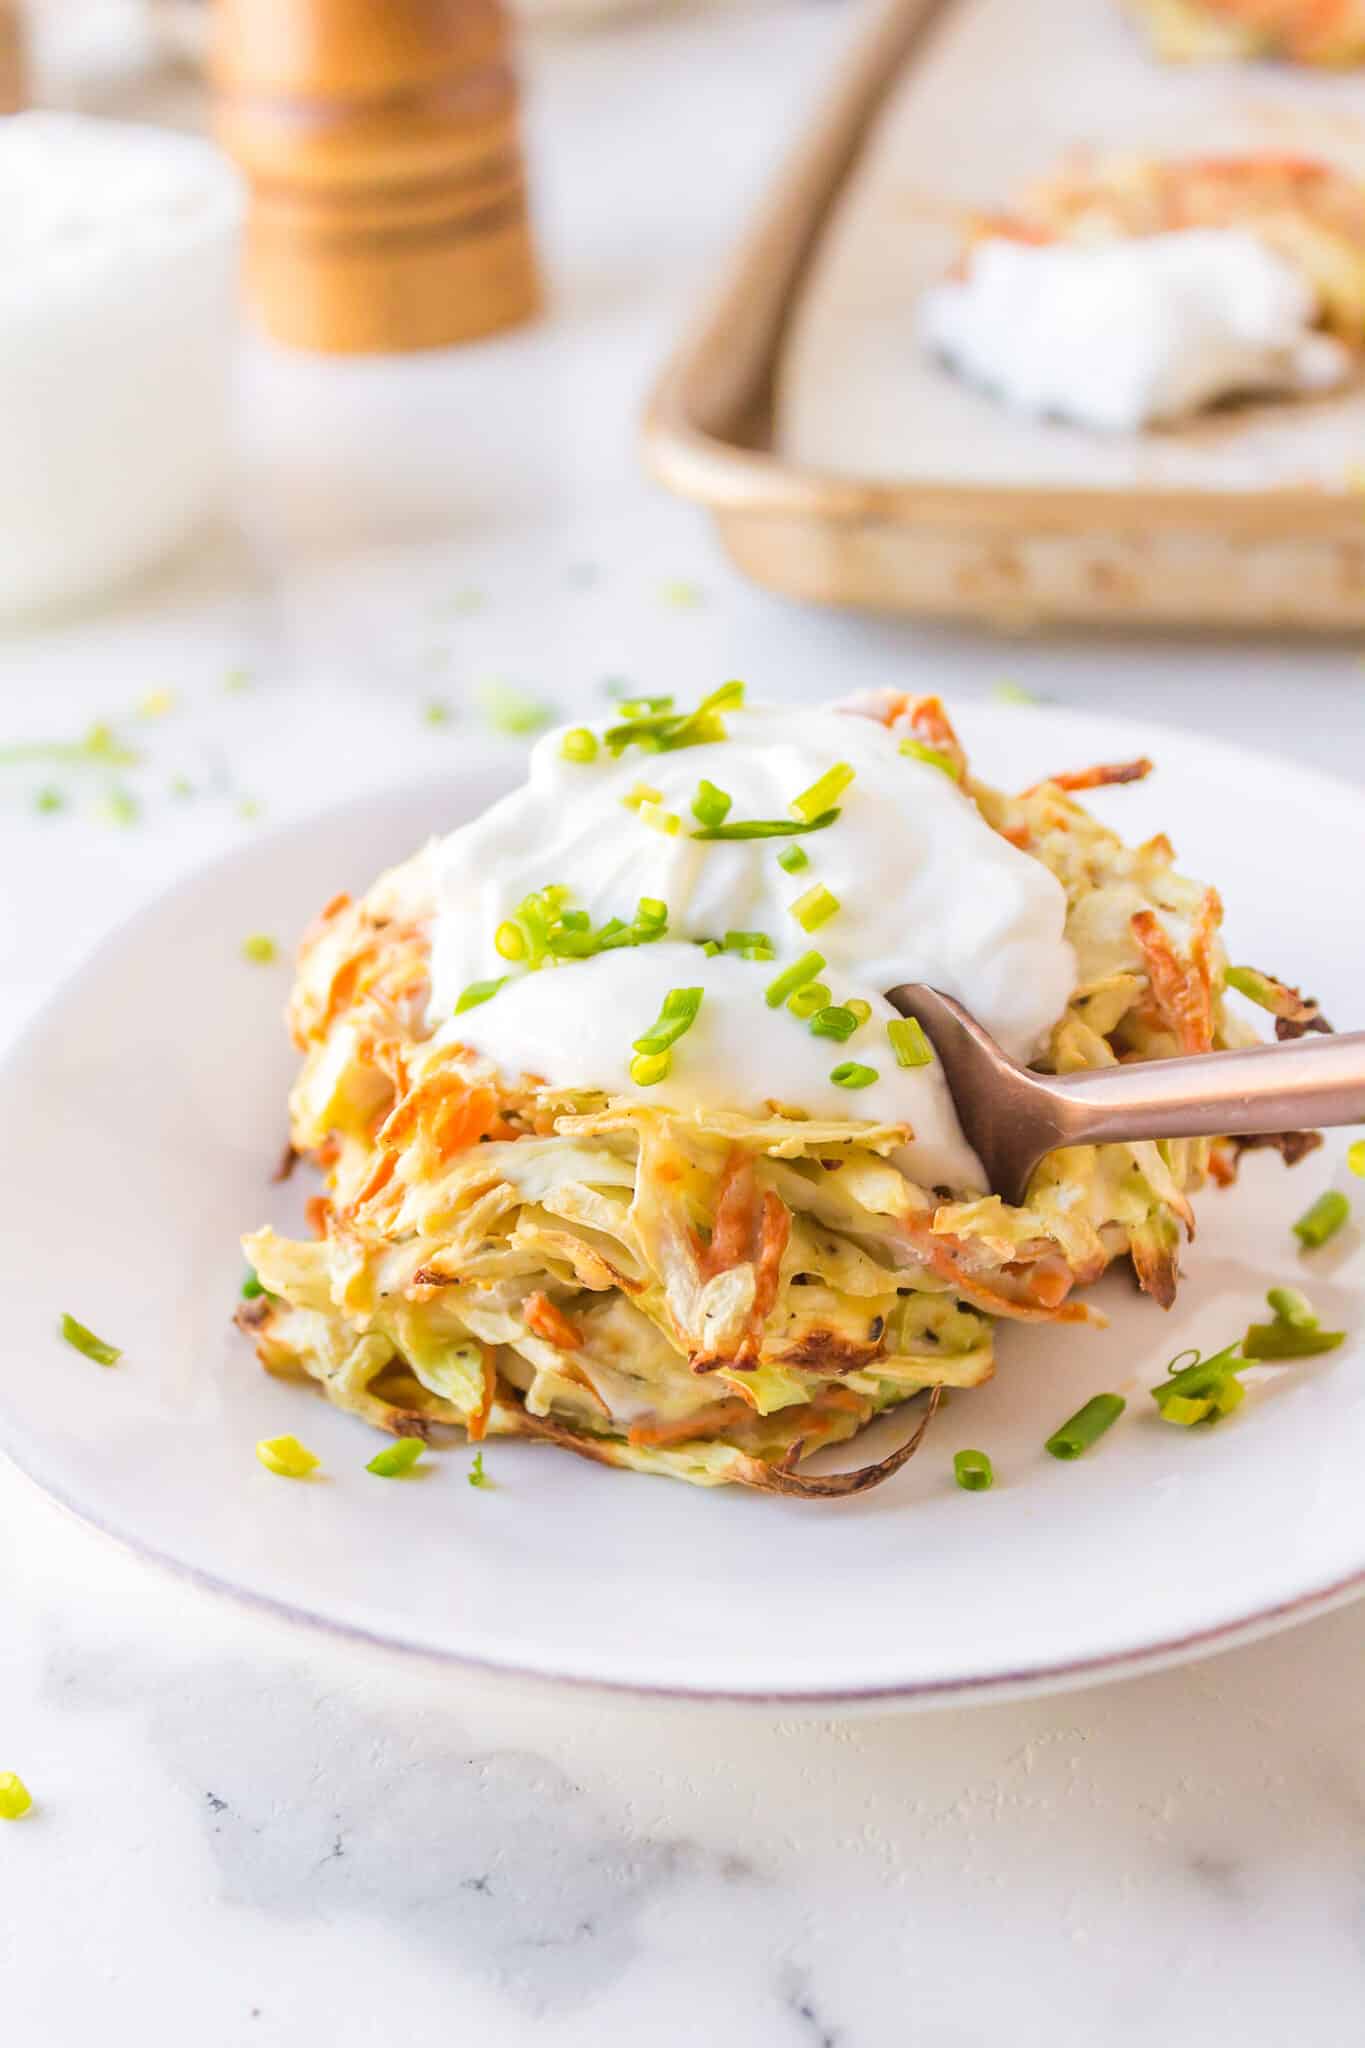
{"x":926,"y":892}
{"x":1118,"y":335}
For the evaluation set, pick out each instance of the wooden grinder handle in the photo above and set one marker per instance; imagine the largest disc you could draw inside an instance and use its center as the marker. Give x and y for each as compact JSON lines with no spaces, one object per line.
{"x":379,"y":140}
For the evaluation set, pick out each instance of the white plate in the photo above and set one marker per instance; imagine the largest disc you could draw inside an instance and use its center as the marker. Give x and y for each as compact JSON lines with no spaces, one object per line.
{"x":142,"y":1115}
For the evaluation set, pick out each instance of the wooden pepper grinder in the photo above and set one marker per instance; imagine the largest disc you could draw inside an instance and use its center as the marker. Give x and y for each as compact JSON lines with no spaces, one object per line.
{"x":12,"y":94}
{"x":387,"y":194}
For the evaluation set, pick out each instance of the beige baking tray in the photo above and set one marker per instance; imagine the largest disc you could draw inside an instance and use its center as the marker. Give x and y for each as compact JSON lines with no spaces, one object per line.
{"x":1007,"y":553}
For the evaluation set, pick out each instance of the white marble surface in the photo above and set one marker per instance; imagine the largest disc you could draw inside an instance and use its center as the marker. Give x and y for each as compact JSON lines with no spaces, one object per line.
{"x":250,"y":1834}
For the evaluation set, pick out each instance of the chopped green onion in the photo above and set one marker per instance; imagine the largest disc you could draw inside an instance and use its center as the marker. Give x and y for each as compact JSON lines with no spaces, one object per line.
{"x":973,"y":1471}
{"x":477,"y":1475}
{"x":252,"y":1290}
{"x":478,"y":992}
{"x":121,"y":807}
{"x":824,"y":791}
{"x":642,"y":707}
{"x":654,"y":815}
{"x":1322,"y":1220}
{"x":579,"y":744}
{"x":1086,"y":1426}
{"x":181,"y":786}
{"x":793,"y":859}
{"x":683,"y":596}
{"x":677,"y":1015}
{"x":237,"y":681}
{"x":1255,"y":986}
{"x":836,"y":1020}
{"x":1355,"y":1158}
{"x":815,"y":908}
{"x":1292,"y":1307}
{"x":1202,"y":1391}
{"x":49,"y":799}
{"x":744,"y":942}
{"x":858,"y":1008}
{"x":15,"y":1797}
{"x":1186,"y":1409}
{"x":99,"y":746}
{"x":286,"y":1456}
{"x":508,"y":710}
{"x":935,"y":757}
{"x":86,"y":1342}
{"x":766,"y":828}
{"x":852,"y":1074}
{"x":1288,"y":1340}
{"x":908,"y":1042}
{"x":792,"y":978}
{"x":642,"y":793}
{"x":762,"y":949}
{"x":436,"y":711}
{"x":509,"y":941}
{"x":647,"y":1069}
{"x":259,"y":948}
{"x":710,"y":805}
{"x":397,"y":1458}
{"x":248,"y":807}
{"x":710,"y":947}
{"x":649,"y":911}
{"x":1008,"y":692}
{"x":808,"y":999}
{"x":668,"y":731}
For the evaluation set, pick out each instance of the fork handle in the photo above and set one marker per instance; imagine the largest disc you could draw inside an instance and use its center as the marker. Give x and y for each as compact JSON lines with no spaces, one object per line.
{"x":1264,"y":1090}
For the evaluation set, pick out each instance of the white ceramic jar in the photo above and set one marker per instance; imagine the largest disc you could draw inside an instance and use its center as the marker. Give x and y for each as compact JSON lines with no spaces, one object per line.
{"x":119,"y":249}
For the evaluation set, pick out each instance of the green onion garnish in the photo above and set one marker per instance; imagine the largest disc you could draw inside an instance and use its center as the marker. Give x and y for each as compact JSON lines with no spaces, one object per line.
{"x":397,"y":1458}
{"x":746,"y":942}
{"x":49,"y":799}
{"x":651,"y":914}
{"x":260,"y":948}
{"x":665,"y":732}
{"x":677,"y":1015}
{"x":579,"y":744}
{"x":477,"y":1475}
{"x":710,"y":947}
{"x":935,"y":757}
{"x":815,"y":908}
{"x":237,"y":681}
{"x":1202,"y":1391}
{"x":121,"y":807}
{"x":99,"y":746}
{"x":858,"y":1008}
{"x":973,"y":1471}
{"x":1292,"y":1307}
{"x":792,"y":978}
{"x":836,"y":1020}
{"x":478,"y":992}
{"x":1355,"y":1158}
{"x":88,"y":1344}
{"x":654,"y":815}
{"x":508,"y":710}
{"x":805,"y":1001}
{"x":1008,"y":692}
{"x":766,"y":828}
{"x":642,"y":793}
{"x":824,"y":791}
{"x":1256,"y":987}
{"x":908,"y":1042}
{"x":286,"y":1456}
{"x":252,"y":1290}
{"x":1086,"y":1426}
{"x":852,"y":1074}
{"x":15,"y":1797}
{"x":683,"y":596}
{"x":647,"y":1069}
{"x":793,"y":859}
{"x":1322,"y":1220}
{"x":436,"y":712}
{"x":1288,"y":1340}
{"x":641,"y":707}
{"x":710,"y":805}
{"x":509,"y":941}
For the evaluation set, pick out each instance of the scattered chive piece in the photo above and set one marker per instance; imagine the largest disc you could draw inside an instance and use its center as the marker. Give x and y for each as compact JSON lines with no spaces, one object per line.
{"x":236,"y":681}
{"x":121,"y":807}
{"x":1086,"y":1426}
{"x":710,"y":804}
{"x":1008,"y":692}
{"x":156,"y":704}
{"x":973,"y":1471}
{"x":252,"y":1290}
{"x":1322,"y":1220}
{"x":510,"y":711}
{"x":98,"y":746}
{"x":579,"y":744}
{"x":642,"y":793}
{"x":286,"y":1456}
{"x":1355,"y":1158}
{"x":667,"y":731}
{"x":766,"y":828}
{"x":1252,"y":984}
{"x":1202,"y":1391}
{"x":650,"y":911}
{"x":858,"y":1008}
{"x":792,"y":978}
{"x":711,"y":947}
{"x":742,"y":942}
{"x":1288,"y":1340}
{"x":824,"y":791}
{"x":509,"y":942}
{"x":647,"y":1069}
{"x":88,"y":1344}
{"x":436,"y":712}
{"x":397,"y":1458}
{"x":835,"y":1020}
{"x":1290,"y":1306}
{"x":659,"y":820}
{"x":574,"y":921}
{"x":683,"y":596}
{"x":1186,"y":1409}
{"x":677,"y":1015}
{"x":49,"y":799}
{"x":260,"y":948}
{"x":793,"y":859}
{"x":908,"y":1042}
{"x":815,"y":908}
{"x":15,"y":1797}
{"x":477,"y":1475}
{"x":805,"y":1001}
{"x":852,"y":1074}
{"x":934,"y":757}
{"x":249,"y":807}
{"x":181,"y":786}
{"x":478,"y":992}
{"x":644,"y":707}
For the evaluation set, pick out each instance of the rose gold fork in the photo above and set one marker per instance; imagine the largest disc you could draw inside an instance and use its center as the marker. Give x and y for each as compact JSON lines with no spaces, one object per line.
{"x":1012,"y":1117}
